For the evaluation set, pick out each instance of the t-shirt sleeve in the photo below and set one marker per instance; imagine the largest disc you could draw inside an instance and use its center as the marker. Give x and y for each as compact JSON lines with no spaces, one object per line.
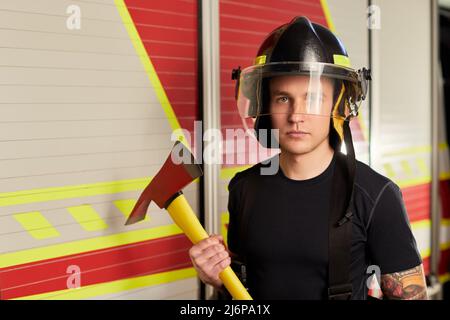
{"x":390,"y":240}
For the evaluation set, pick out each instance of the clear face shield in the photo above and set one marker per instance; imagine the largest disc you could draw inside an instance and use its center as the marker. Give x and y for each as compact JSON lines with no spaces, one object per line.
{"x":317,"y":89}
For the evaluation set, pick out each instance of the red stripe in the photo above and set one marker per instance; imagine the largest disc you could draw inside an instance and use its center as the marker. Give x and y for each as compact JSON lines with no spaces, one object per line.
{"x":158,"y":33}
{"x":229,"y":91}
{"x":175,"y":6}
{"x":417,"y":201}
{"x":445,"y":198}
{"x":180,"y":80}
{"x":266,"y":10}
{"x":239,"y":22}
{"x":229,"y":119}
{"x":312,"y":7}
{"x":231,"y":36}
{"x":159,"y":17}
{"x":444,"y":265}
{"x":236,"y":50}
{"x":160,"y":49}
{"x":168,"y":30}
{"x":99,"y":266}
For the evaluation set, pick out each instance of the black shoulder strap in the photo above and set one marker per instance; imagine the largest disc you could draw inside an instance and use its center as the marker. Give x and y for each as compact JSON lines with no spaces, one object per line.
{"x":340,"y":226}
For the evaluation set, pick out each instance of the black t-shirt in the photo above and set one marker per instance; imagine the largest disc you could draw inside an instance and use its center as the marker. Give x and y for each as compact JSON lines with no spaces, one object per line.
{"x":286,"y":238}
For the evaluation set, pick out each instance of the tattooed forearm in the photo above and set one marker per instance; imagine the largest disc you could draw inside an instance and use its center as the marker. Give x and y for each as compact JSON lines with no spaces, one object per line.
{"x":406,"y":285}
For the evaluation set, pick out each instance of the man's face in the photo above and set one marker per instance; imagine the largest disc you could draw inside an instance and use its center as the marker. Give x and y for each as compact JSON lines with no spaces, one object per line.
{"x":300,"y":133}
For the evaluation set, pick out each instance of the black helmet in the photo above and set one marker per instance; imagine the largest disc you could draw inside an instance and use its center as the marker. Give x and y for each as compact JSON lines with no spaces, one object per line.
{"x":300,"y":47}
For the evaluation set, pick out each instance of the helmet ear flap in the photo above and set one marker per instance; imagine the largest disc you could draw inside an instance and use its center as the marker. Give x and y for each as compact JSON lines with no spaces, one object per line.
{"x":338,"y":114}
{"x":333,"y":137}
{"x":264,"y":121}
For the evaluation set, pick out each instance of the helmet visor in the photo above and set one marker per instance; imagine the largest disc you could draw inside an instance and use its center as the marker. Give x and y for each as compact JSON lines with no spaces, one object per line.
{"x":293,"y":87}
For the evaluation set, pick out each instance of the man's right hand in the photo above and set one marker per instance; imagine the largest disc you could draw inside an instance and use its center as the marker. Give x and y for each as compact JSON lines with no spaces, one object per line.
{"x":210,"y":257}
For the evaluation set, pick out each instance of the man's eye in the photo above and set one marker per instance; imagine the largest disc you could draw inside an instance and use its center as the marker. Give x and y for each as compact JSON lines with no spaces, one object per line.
{"x":283,"y":99}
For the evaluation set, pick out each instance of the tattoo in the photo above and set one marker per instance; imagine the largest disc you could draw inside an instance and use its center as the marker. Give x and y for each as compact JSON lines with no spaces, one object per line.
{"x":405,"y":285}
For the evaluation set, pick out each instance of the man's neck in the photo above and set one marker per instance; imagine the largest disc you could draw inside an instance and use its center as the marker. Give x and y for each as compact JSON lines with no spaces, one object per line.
{"x":308,"y":165}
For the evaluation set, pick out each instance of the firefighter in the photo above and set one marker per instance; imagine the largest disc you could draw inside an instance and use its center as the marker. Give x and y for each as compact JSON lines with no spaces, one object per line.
{"x":314,"y":228}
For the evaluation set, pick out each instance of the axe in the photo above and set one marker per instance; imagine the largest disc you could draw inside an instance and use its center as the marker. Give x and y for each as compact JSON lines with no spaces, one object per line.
{"x":165,"y":191}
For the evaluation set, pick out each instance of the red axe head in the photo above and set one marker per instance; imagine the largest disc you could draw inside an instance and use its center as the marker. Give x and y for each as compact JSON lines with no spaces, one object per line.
{"x":178,"y":171}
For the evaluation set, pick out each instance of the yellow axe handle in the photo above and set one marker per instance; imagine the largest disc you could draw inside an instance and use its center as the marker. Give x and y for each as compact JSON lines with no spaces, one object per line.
{"x":181,"y":212}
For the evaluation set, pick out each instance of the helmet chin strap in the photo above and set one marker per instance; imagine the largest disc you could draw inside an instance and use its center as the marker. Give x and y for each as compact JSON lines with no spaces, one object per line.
{"x":351,"y":159}
{"x":340,"y":222}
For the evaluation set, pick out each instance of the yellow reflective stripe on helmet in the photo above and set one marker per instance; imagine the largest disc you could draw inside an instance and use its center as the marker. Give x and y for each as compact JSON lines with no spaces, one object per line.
{"x":341,"y":60}
{"x":260,"y":59}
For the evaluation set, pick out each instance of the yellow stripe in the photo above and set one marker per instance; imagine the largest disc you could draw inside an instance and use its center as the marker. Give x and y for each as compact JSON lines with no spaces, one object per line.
{"x":445,"y":246}
{"x":444,"y":176}
{"x":125,"y":206}
{"x":425,"y":253}
{"x":416,"y":149}
{"x":80,"y":246}
{"x":426,"y":223}
{"x":341,"y":60}
{"x":422,"y":166}
{"x":326,"y":11}
{"x":75,"y":191}
{"x":445,"y":222}
{"x":148,"y":66}
{"x":111,"y":187}
{"x":260,"y":59}
{"x":115,"y":286}
{"x":228,"y":173}
{"x":444,"y":278}
{"x":67,"y":192}
{"x":36,"y":225}
{"x":426,"y":178}
{"x":406,"y":183}
{"x":409,"y":151}
{"x":389,"y":171}
{"x":224,"y":217}
{"x":422,"y":224}
{"x":87,"y":217}
{"x":406,"y":167}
